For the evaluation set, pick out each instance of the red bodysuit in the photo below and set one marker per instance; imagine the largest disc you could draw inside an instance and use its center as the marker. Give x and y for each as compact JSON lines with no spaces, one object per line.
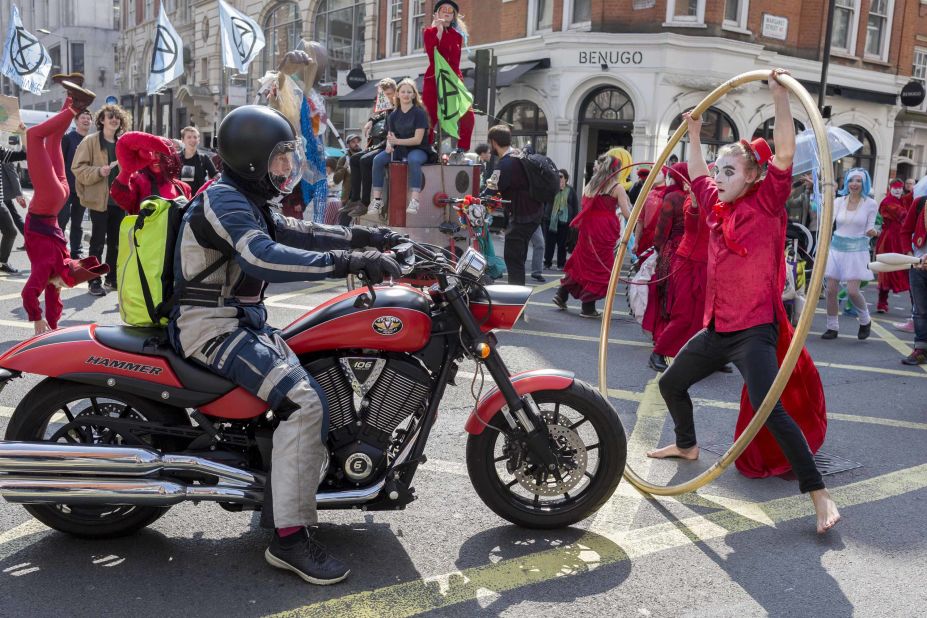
{"x":449,"y":47}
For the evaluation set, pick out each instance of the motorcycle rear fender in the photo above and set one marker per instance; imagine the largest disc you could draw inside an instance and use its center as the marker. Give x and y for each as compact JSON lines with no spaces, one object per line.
{"x":74,"y":351}
{"x":525,"y":383}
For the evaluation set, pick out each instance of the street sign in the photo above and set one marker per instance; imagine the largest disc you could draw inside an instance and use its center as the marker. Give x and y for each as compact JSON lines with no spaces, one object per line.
{"x":913,"y":94}
{"x":356,"y":78}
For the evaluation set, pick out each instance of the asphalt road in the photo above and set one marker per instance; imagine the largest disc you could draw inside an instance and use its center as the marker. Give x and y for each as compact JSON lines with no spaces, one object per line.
{"x":737,"y":547}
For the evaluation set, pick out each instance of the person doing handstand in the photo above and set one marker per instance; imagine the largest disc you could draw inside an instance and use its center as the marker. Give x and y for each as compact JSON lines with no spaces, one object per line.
{"x":743,"y":310}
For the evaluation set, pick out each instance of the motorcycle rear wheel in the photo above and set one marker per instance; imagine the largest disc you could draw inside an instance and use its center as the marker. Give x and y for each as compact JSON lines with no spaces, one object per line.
{"x":575,"y":414}
{"x":56,"y":403}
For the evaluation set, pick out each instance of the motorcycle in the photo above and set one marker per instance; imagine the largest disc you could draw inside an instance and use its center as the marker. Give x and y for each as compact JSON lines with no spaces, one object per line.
{"x":122,"y":428}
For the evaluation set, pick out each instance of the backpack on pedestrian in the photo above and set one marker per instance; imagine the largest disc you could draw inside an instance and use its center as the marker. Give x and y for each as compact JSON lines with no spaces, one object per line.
{"x":145,"y":262}
{"x":543,"y":177}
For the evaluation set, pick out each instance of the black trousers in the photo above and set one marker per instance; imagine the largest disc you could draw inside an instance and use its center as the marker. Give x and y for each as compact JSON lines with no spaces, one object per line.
{"x":515,"y":250}
{"x":15,"y":216}
{"x":7,"y":235}
{"x":556,"y":239}
{"x":753,"y":352}
{"x":104,"y":231}
{"x":73,"y":212}
{"x":362,"y":176}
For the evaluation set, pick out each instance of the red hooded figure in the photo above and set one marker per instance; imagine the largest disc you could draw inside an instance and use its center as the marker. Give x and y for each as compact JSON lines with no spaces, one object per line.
{"x":148,"y":165}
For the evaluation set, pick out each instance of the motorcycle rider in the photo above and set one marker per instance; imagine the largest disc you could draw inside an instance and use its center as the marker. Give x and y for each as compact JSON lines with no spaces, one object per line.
{"x":221,"y":323}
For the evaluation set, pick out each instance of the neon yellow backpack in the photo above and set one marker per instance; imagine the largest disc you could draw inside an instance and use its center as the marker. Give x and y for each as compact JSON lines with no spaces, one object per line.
{"x":145,"y":262}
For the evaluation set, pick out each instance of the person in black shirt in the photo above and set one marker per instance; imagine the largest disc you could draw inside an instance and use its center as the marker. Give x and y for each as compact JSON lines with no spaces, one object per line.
{"x":361,"y":164}
{"x":73,"y":210}
{"x":524,"y":213}
{"x":196,"y":168}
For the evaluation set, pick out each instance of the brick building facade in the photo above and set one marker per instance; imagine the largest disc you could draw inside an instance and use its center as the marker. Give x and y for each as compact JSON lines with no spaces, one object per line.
{"x":619,"y":72}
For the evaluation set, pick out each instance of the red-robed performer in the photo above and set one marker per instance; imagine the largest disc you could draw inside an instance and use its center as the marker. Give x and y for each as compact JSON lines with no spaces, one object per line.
{"x":745,"y":321}
{"x":447,"y":34}
{"x":51,"y":265}
{"x":892,"y":240}
{"x":669,"y":232}
{"x":148,"y":165}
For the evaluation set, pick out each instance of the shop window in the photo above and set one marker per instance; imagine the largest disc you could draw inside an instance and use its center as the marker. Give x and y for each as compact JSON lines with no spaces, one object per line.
{"x":864,"y":157}
{"x":735,"y":14}
{"x":394,"y":28}
{"x":717,"y":130}
{"x":528,"y":124}
{"x":339,"y":26}
{"x":879,"y":29}
{"x":76,"y":59}
{"x":282,"y":27}
{"x":685,"y":13}
{"x":846,"y":20}
{"x":608,"y":104}
{"x":765,"y":131}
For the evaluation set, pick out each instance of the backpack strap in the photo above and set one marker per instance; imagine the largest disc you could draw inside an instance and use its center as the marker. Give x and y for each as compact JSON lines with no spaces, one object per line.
{"x":165,"y":307}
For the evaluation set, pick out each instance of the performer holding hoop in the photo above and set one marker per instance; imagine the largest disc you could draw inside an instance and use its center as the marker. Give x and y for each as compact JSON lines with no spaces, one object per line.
{"x":744,"y":317}
{"x":448,"y":33}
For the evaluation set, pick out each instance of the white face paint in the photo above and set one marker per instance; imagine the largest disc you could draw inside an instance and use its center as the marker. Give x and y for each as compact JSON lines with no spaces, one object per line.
{"x":731,"y":178}
{"x":897,"y":192}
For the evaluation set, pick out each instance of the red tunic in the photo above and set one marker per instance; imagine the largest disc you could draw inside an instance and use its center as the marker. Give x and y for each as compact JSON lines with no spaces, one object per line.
{"x":589,"y":267}
{"x":670,"y":229}
{"x":915,"y":224}
{"x":892,"y":240}
{"x":746,"y":275}
{"x":649,"y":218}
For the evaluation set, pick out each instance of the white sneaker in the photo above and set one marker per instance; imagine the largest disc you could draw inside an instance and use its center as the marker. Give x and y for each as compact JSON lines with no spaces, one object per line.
{"x":905,"y":327}
{"x":412,"y":208}
{"x":376,"y":205}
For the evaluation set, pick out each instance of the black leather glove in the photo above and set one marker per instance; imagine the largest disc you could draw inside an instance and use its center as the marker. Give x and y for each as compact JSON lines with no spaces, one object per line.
{"x":374,"y":265}
{"x":380,"y":238}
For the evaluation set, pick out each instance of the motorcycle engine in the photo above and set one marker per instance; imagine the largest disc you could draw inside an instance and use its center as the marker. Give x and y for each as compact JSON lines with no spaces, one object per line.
{"x":368,"y":398}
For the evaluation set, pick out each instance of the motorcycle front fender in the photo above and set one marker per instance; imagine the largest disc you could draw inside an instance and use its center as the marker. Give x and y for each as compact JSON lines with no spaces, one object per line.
{"x":525,"y":383}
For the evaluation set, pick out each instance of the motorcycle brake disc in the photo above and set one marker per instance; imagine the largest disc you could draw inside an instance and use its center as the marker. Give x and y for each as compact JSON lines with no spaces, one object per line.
{"x":567,"y":440}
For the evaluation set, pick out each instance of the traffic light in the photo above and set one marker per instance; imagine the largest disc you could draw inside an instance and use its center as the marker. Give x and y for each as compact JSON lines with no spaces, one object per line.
{"x":481,"y":79}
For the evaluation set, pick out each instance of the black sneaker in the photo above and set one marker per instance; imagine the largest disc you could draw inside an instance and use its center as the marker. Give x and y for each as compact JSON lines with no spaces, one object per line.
{"x":539,"y":278}
{"x":96,"y":288}
{"x":110,"y":285}
{"x":657,"y":362}
{"x":864,"y":330}
{"x":560,"y":302}
{"x":8,"y":269}
{"x":830,"y":333}
{"x":303,"y":555}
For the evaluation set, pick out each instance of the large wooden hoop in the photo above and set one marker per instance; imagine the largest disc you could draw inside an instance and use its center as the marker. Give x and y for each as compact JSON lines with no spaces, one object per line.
{"x":807,"y":314}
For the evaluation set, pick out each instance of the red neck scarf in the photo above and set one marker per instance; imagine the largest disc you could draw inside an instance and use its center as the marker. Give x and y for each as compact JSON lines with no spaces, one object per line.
{"x":719,"y":219}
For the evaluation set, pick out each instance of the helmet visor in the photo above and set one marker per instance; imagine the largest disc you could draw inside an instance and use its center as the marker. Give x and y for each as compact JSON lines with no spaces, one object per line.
{"x":284,"y":166}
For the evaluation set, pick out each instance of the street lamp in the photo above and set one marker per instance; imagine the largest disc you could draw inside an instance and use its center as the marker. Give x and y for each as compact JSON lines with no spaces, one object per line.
{"x":67,"y":43}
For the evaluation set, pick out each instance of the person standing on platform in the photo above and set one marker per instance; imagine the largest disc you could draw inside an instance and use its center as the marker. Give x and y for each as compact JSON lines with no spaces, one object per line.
{"x":524,"y":212}
{"x":448,"y":34}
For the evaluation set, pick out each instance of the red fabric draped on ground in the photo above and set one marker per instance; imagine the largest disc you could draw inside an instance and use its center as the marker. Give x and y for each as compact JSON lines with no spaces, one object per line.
{"x":589,"y":267}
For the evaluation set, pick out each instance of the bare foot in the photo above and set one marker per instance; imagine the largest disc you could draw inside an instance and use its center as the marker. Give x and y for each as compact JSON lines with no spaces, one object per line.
{"x":826,"y":510}
{"x":673,"y":451}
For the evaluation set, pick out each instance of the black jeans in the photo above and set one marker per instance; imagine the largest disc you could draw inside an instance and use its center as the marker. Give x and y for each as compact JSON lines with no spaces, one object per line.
{"x":73,"y":212}
{"x":362,"y":176}
{"x":515,"y":250}
{"x":7,"y":235}
{"x":556,"y":239}
{"x":753,"y":352}
{"x":15,"y":216}
{"x":104,"y":231}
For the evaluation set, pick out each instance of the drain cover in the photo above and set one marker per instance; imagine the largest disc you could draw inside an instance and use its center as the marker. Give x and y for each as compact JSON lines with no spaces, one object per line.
{"x":827,"y":464}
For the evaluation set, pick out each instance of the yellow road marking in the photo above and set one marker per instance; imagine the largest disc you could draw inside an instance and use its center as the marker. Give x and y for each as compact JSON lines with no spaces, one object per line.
{"x":595,"y":550}
{"x":892,"y":340}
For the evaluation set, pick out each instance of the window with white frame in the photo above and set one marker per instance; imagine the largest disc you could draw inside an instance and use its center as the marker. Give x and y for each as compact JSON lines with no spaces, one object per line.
{"x":544,"y":15}
{"x":685,"y":12}
{"x":920,"y":70}
{"x":149,"y":10}
{"x":130,"y":13}
{"x":394,"y":28}
{"x":735,"y":14}
{"x":416,"y":25}
{"x":879,"y":28}
{"x":846,"y":22}
{"x":577,"y":12}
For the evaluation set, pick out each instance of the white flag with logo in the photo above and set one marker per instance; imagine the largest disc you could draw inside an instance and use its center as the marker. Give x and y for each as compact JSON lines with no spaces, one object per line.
{"x":167,"y":55}
{"x":25,"y":61}
{"x":242,"y":39}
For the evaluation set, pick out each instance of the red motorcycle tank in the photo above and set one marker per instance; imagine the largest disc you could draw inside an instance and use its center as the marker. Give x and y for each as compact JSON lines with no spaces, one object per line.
{"x":398,"y":320}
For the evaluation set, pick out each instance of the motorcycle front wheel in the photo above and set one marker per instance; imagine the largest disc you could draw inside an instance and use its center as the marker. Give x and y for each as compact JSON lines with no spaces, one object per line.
{"x":589,"y":442}
{"x":51,"y":412}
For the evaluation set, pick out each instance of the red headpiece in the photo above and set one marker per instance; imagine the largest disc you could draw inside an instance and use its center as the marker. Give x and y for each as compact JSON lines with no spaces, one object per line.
{"x":897,"y":183}
{"x":643,"y":172}
{"x":760,"y":149}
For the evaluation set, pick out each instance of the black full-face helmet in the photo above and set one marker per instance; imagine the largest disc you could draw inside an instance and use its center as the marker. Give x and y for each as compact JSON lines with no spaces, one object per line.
{"x":258,"y":145}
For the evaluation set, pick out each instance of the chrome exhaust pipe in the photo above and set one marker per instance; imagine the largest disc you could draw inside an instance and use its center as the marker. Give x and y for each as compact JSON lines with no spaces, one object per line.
{"x":84,"y":459}
{"x":112,"y":491}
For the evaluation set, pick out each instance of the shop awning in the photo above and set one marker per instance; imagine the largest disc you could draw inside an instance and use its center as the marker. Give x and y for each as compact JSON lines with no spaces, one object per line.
{"x":849,"y":92}
{"x":509,"y":73}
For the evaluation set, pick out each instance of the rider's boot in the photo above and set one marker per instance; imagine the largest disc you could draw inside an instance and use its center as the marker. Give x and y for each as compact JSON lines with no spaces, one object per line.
{"x":302,"y":554}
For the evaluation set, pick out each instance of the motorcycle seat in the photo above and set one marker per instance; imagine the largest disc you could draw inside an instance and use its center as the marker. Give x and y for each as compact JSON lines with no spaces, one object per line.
{"x":153,"y":342}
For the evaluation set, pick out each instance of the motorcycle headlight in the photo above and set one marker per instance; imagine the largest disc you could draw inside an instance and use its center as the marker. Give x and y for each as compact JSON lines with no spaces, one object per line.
{"x":471,"y":263}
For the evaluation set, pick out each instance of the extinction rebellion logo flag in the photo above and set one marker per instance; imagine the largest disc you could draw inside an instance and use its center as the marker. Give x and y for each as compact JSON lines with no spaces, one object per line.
{"x":453,"y":97}
{"x":25,"y":61}
{"x":167,"y":55}
{"x":242,"y":39}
